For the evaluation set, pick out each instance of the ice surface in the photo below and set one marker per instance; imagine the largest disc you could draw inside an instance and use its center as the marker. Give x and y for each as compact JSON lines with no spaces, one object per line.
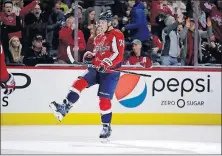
{"x":125,"y":139}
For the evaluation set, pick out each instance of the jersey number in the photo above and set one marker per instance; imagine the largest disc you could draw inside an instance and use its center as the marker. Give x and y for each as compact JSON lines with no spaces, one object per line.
{"x":121,"y":42}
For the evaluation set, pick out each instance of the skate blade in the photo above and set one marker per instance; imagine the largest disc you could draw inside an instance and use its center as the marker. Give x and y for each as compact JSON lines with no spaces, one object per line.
{"x":105,"y":140}
{"x":58,"y":115}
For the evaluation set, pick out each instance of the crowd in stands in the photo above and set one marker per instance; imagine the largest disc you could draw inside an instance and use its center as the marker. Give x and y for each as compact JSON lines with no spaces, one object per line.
{"x":157,"y":32}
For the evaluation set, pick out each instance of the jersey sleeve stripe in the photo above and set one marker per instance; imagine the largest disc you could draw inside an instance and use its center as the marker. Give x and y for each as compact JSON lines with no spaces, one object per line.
{"x":1,"y":49}
{"x":115,"y":49}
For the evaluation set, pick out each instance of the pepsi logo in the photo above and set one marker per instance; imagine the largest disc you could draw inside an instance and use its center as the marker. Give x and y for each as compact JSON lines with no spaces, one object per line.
{"x":129,"y":92}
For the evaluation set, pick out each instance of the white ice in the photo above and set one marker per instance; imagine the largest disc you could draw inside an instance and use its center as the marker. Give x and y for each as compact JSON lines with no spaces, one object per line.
{"x":125,"y":139}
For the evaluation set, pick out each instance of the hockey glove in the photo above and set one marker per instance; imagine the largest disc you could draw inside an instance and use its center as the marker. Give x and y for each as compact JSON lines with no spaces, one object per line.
{"x":9,"y":85}
{"x":105,"y":65}
{"x":88,"y":57}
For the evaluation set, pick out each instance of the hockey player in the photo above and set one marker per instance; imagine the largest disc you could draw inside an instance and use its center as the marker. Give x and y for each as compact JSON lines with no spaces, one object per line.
{"x":6,"y":79}
{"x":108,"y":53}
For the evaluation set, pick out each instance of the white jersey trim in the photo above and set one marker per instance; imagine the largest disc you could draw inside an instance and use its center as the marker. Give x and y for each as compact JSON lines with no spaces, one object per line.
{"x":1,"y":49}
{"x":105,"y":112}
{"x":115,"y":49}
{"x":75,"y":90}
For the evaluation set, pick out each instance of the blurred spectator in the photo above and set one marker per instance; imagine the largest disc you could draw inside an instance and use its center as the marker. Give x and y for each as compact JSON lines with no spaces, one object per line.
{"x":158,"y":7}
{"x":15,"y":49}
{"x":128,"y":11}
{"x":35,"y":23}
{"x":90,"y":43}
{"x":213,"y":9}
{"x":149,"y":5}
{"x":178,"y":8}
{"x":88,"y":22}
{"x":131,"y":3}
{"x":37,"y":54}
{"x":17,"y":5}
{"x":71,"y":12}
{"x":80,"y":15}
{"x":11,"y":24}
{"x":102,"y":6}
{"x":138,"y":26}
{"x":123,"y":22}
{"x":187,"y":35}
{"x":55,"y":22}
{"x":68,"y":2}
{"x":49,"y":17}
{"x":170,"y":37}
{"x":136,"y":57}
{"x":202,"y":24}
{"x":157,"y":46}
{"x":146,"y":9}
{"x":182,"y":57}
{"x":63,"y":6}
{"x":212,"y":51}
{"x":66,"y":40}
{"x":116,"y":22}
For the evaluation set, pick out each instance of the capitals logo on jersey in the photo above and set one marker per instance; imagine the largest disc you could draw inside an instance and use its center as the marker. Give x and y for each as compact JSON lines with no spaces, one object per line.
{"x":101,"y":45}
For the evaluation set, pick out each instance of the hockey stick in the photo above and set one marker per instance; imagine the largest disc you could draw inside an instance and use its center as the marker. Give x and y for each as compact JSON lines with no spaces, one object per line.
{"x":93,"y":66}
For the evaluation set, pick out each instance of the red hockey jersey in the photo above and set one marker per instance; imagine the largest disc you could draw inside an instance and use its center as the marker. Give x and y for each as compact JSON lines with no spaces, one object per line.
{"x":3,"y":70}
{"x":142,"y":61}
{"x":109,"y":45}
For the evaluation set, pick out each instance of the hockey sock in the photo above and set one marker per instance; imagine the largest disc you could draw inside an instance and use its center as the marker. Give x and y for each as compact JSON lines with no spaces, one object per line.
{"x":105,"y":108}
{"x":106,"y":118}
{"x":77,"y":88}
{"x":72,"y":96}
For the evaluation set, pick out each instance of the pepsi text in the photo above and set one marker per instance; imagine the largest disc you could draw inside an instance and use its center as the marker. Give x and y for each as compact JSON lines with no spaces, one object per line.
{"x":183,"y":86}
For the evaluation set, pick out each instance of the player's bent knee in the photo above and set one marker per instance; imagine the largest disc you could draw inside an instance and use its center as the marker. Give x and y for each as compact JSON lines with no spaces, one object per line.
{"x":80,"y":84}
{"x":105,"y":104}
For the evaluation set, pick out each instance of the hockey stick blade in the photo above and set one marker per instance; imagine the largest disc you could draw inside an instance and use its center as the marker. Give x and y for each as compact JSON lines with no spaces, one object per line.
{"x":69,"y":54}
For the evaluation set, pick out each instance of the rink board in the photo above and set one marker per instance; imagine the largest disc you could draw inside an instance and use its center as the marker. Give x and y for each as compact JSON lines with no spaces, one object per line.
{"x":169,"y":97}
{"x":118,"y":119}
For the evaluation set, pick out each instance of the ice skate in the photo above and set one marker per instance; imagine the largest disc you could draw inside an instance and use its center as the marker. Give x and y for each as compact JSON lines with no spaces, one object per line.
{"x":105,"y":134}
{"x":60,"y":110}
